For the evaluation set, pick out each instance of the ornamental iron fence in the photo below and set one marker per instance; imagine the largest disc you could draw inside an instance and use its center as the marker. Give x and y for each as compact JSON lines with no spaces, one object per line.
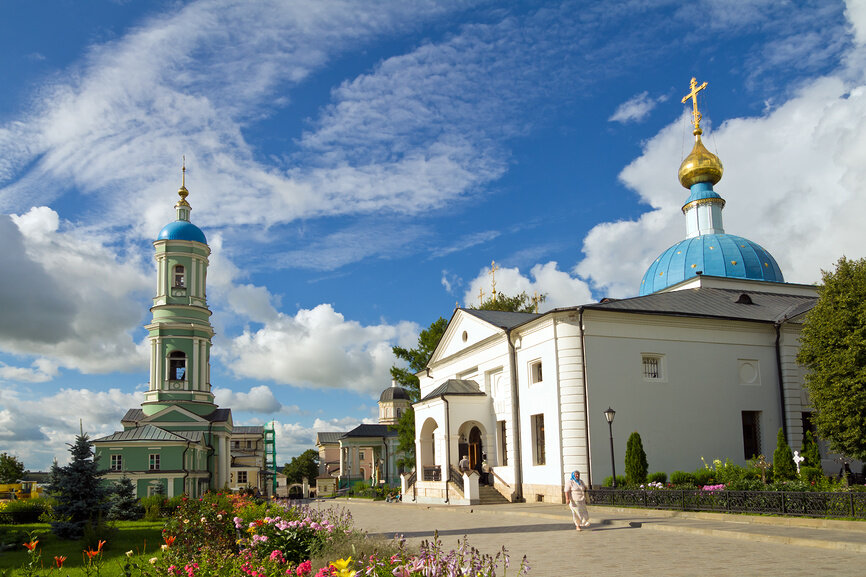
{"x":801,"y":504}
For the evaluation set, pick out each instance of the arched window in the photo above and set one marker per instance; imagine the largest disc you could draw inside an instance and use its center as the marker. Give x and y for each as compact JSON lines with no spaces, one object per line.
{"x":179,"y":276}
{"x":176,"y":366}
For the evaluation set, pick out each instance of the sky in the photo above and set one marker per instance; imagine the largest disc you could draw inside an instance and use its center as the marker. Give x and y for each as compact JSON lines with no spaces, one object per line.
{"x":358,"y":166}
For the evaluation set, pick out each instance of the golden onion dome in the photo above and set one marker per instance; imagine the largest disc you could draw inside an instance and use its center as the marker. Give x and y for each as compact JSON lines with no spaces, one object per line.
{"x":700,"y":165}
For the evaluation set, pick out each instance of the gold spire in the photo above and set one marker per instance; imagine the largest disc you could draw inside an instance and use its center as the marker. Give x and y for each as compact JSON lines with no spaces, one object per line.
{"x":182,"y":191}
{"x":480,"y":296}
{"x":700,"y":165}
{"x":493,"y":270}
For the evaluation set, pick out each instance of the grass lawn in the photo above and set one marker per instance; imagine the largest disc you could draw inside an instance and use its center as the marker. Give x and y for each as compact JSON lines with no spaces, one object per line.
{"x":141,"y":537}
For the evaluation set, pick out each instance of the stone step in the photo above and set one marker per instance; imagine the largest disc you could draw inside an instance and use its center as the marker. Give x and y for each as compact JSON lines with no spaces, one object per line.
{"x":490,"y":496}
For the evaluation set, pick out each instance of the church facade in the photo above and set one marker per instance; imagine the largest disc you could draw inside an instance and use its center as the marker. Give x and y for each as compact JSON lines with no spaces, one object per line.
{"x":179,"y":441}
{"x":701,"y":364}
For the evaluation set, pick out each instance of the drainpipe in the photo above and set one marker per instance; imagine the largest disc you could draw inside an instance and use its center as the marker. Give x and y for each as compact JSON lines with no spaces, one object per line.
{"x":210,"y":452}
{"x":447,"y":472}
{"x":781,"y":380}
{"x":185,"y":470}
{"x":585,"y":396}
{"x":515,"y":419}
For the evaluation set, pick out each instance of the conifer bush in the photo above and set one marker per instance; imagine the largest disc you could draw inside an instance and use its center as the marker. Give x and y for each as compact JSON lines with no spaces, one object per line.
{"x":810,"y":453}
{"x":636,"y":465}
{"x":783,"y":460}
{"x":80,"y":495}
{"x":124,"y":504}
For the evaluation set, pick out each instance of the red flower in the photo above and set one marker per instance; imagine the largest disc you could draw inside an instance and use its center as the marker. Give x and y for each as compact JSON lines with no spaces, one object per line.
{"x":91,"y":553}
{"x":58,"y":560}
{"x":99,"y":547}
{"x":170,"y":540}
{"x":31,"y":545}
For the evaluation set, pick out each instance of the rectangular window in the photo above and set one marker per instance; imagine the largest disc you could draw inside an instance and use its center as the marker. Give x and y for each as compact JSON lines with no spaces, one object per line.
{"x":652,"y":367}
{"x":751,"y":434}
{"x":249,"y":444}
{"x":535,"y":375}
{"x":154,"y":461}
{"x":242,"y":477}
{"x":538,"y":439}
{"x":503,"y":445}
{"x":117,"y":462}
{"x":361,"y":456}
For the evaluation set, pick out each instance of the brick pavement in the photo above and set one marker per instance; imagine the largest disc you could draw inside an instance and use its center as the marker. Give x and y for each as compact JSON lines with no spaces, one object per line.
{"x":629,"y":542}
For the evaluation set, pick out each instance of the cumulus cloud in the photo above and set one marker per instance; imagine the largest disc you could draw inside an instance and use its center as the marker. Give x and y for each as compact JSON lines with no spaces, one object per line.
{"x":561,"y":289}
{"x":636,"y":108}
{"x":295,"y":438}
{"x":319,"y":348}
{"x":259,"y":399}
{"x":38,"y":429}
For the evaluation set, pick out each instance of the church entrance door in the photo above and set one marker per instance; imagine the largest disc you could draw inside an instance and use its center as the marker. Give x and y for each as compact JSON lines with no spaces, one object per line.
{"x":475,"y":448}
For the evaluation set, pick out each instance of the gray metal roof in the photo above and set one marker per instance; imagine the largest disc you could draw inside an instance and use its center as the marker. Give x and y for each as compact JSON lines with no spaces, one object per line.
{"x":714,"y":302}
{"x":248,"y":430}
{"x":133,"y":415}
{"x":454,"y":387}
{"x":328,"y":437}
{"x":370,"y":430}
{"x":217,"y":416}
{"x":148,"y":433}
{"x":502,"y":319}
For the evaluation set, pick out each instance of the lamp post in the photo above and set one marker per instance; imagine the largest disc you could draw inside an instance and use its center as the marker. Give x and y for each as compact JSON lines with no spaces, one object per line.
{"x":609,"y":414}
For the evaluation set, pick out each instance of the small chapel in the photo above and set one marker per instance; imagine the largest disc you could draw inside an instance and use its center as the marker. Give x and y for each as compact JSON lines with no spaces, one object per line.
{"x":701,"y":364}
{"x":180,"y":441}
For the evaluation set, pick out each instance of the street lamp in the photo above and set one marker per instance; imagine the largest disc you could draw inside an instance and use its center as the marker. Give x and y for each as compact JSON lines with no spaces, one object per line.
{"x":609,"y":414}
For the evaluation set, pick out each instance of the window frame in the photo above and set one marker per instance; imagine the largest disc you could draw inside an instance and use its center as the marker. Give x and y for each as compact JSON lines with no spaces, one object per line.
{"x":539,"y":456}
{"x":646,"y":359}
{"x":242,"y":478}
{"x":153,"y":462}
{"x":116,"y":463}
{"x":536,"y":372}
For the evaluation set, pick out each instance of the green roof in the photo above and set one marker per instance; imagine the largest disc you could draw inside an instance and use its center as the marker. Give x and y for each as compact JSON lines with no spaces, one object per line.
{"x":150,"y":433}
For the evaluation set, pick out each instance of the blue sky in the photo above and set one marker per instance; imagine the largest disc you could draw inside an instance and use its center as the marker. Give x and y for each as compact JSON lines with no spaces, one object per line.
{"x":356,"y":167}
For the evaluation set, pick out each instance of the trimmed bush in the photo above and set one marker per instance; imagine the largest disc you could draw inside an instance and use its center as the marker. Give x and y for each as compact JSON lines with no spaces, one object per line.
{"x":810,"y":452}
{"x":620,"y":481}
{"x":783,"y":460}
{"x":636,"y":465}
{"x":704,"y":477}
{"x":682,"y":478}
{"x":811,"y":475}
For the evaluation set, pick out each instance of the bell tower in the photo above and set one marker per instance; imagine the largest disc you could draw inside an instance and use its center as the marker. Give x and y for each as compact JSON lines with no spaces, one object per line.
{"x":180,"y":332}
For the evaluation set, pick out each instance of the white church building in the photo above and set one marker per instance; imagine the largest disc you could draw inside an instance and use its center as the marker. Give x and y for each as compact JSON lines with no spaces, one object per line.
{"x":701,"y":364}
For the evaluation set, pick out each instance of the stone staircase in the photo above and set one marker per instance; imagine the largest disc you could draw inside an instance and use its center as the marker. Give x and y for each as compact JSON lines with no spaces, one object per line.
{"x":490,"y":496}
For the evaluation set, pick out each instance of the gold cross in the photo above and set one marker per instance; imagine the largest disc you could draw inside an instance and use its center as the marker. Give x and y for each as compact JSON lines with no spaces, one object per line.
{"x":694,"y":96}
{"x":480,"y":296}
{"x":535,"y":301}
{"x":493,"y":270}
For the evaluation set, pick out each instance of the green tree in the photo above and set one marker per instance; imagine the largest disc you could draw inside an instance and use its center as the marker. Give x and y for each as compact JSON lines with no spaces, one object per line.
{"x":636,"y":465}
{"x":11,"y":468}
{"x":833,"y":350}
{"x":810,"y":453}
{"x":521,"y":303}
{"x":81,"y":495}
{"x":124,"y":504}
{"x":304,"y":465}
{"x":783,"y":460}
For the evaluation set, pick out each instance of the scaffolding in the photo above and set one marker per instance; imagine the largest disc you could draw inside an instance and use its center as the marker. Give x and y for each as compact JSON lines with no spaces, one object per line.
{"x":271,"y":456}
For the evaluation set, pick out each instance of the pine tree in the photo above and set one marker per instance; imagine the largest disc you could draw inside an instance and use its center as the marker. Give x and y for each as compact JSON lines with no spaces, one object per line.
{"x":783,"y":460}
{"x":636,"y":465}
{"x":810,"y":453}
{"x":124,"y":504}
{"x":79,"y":490}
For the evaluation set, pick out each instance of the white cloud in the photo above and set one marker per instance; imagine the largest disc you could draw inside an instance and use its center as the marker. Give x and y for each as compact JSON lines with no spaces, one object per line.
{"x":259,"y":399}
{"x":295,"y":438}
{"x":319,"y":348}
{"x":636,"y":108}
{"x":560,"y":288}
{"x":38,"y":429}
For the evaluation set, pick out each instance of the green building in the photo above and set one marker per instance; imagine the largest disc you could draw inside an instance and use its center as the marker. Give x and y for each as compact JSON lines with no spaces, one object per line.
{"x":179,"y":441}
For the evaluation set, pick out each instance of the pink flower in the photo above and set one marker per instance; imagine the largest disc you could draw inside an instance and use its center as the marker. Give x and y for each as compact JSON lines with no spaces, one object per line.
{"x":277,"y":555}
{"x":304,"y":568}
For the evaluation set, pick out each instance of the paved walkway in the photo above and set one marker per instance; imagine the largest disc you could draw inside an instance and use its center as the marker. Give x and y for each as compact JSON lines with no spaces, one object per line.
{"x":630,"y":541}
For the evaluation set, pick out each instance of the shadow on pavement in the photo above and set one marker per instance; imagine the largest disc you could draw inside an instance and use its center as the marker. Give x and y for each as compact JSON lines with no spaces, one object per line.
{"x":538,"y":528}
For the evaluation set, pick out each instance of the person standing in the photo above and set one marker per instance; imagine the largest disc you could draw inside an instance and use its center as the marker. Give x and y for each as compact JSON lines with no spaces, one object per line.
{"x":575,"y":490}
{"x":485,"y":471}
{"x":463,"y":465}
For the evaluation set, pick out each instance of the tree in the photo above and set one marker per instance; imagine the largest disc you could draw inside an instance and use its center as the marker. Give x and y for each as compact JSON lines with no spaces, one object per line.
{"x":521,"y":303}
{"x":810,"y":453}
{"x":304,"y":465}
{"x":81,"y":495}
{"x":783,"y":460}
{"x":636,"y":465}
{"x":124,"y":504}
{"x":11,"y":468}
{"x":833,"y":350}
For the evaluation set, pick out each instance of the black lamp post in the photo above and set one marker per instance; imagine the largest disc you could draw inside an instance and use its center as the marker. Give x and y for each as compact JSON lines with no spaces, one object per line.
{"x":609,"y":414}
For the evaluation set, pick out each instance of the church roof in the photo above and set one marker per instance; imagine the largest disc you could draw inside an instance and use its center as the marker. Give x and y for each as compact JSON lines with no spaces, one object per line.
{"x":715,"y":302}
{"x":370,"y":430}
{"x":181,"y":230}
{"x":248,"y":430}
{"x":394,"y":393}
{"x":217,"y":416}
{"x":151,"y":433}
{"x":456,"y":386}
{"x":724,"y":255}
{"x":502,"y":319}
{"x":328,"y":437}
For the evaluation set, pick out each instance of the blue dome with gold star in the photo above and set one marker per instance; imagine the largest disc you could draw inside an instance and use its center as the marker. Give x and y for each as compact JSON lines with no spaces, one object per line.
{"x":724,"y":255}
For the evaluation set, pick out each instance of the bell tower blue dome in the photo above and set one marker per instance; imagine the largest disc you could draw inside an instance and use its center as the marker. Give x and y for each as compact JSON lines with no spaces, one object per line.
{"x":707,"y":249}
{"x":182,"y":228}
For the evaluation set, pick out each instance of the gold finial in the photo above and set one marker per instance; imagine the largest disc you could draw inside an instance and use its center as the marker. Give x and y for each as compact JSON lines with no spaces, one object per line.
{"x":493,"y":270}
{"x":456,"y":305}
{"x":480,"y":296}
{"x":182,"y":191}
{"x":693,"y":94}
{"x":535,"y":301}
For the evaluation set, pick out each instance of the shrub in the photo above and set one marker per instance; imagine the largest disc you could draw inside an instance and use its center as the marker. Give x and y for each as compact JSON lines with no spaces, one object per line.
{"x":783,"y":460}
{"x":704,"y":477}
{"x":811,"y":475}
{"x":658,"y":477}
{"x":25,"y":510}
{"x":636,"y":465}
{"x":124,"y":505}
{"x":620,"y":481}
{"x":682,"y":478}
{"x":810,"y":453}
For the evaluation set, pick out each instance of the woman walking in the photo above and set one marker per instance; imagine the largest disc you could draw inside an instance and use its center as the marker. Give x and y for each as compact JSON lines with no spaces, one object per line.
{"x":576,"y":492}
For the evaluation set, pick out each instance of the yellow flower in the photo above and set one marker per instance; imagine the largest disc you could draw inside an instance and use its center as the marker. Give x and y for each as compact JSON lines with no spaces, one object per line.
{"x":344,"y":567}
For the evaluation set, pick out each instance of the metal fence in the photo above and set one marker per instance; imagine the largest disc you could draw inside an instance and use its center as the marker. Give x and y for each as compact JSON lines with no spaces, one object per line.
{"x":805,"y":504}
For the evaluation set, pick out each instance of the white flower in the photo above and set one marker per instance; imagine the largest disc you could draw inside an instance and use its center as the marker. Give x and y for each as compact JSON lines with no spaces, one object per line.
{"x":186,"y":521}
{"x":219,"y":517}
{"x":153,"y":559}
{"x":203,"y":520}
{"x":129,"y":553}
{"x":164,"y":548}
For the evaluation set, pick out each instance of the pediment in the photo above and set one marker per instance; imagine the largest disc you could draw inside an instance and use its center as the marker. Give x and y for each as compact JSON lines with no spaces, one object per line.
{"x":463,"y":332}
{"x":174,"y":415}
